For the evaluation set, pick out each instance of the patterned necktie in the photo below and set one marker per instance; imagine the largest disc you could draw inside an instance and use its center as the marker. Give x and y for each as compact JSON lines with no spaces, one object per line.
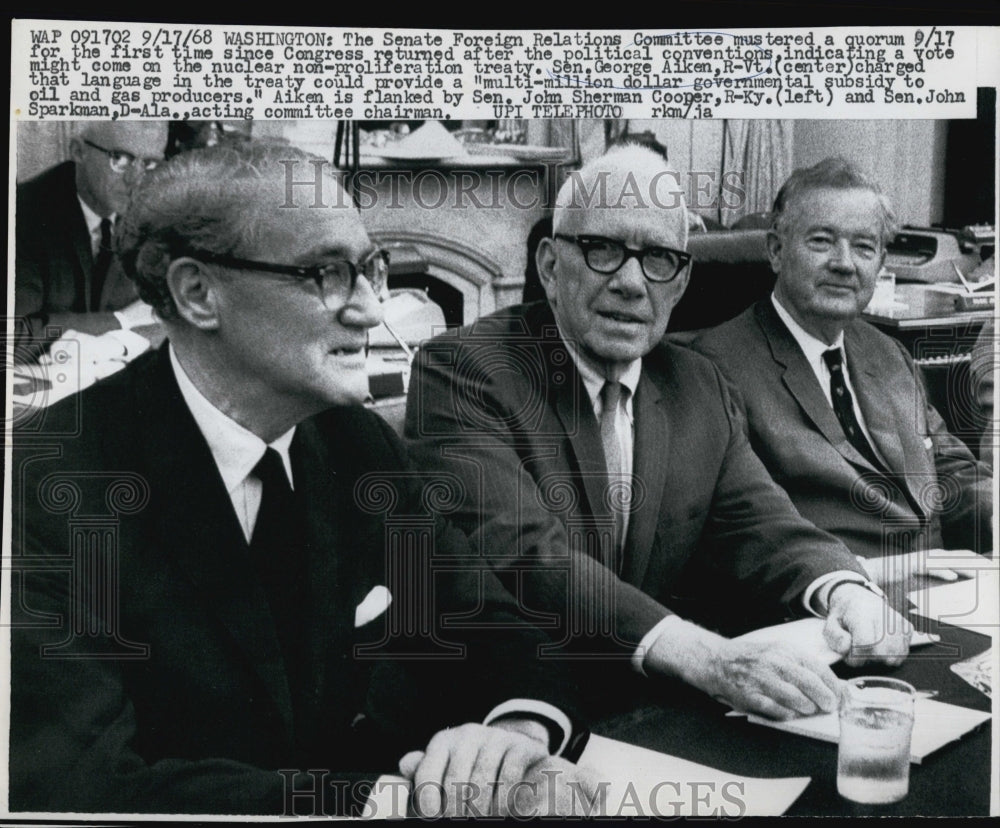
{"x":102,"y":263}
{"x":611,"y":394}
{"x":843,"y":406}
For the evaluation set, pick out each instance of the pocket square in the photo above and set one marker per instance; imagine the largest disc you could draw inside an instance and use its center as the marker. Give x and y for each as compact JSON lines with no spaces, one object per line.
{"x":376,"y":602}
{"x":928,"y":443}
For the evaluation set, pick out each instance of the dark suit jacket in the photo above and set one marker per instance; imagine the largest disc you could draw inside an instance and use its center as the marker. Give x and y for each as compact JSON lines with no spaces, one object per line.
{"x":54,"y":259}
{"x":932,"y":491}
{"x":501,"y":404}
{"x":146,"y":670}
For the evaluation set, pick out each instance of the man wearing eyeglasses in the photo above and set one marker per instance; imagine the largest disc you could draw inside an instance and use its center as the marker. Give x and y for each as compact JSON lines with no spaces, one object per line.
{"x":66,"y":277}
{"x":245,"y":555}
{"x":609,"y":477}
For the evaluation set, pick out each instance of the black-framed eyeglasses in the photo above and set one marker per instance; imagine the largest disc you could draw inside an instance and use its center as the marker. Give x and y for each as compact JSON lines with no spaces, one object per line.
{"x":120,"y":161}
{"x":335,"y":280}
{"x":606,"y":256}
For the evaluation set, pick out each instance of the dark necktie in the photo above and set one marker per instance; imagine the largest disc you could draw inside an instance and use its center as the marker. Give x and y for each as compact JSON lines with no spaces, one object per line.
{"x":102,"y":262}
{"x":279,"y":557}
{"x":611,"y":394}
{"x":843,"y":406}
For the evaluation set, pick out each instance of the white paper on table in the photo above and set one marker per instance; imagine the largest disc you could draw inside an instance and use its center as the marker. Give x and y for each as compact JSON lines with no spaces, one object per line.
{"x":644,"y":782}
{"x":935,"y":725}
{"x":973,"y":604}
{"x":806,"y":636}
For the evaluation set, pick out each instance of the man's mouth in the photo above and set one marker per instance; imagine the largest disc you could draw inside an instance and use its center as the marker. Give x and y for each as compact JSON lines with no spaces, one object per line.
{"x":622,"y":316}
{"x":347,"y":351}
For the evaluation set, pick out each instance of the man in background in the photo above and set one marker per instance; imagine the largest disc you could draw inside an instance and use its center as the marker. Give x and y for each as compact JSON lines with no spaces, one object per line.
{"x":836,"y":409}
{"x":66,"y":275}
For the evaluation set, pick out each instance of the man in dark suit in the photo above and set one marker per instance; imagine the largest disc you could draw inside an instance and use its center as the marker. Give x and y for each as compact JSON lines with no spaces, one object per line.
{"x":233,"y":595}
{"x":65,"y":274}
{"x":603,"y":468}
{"x":836,"y":409}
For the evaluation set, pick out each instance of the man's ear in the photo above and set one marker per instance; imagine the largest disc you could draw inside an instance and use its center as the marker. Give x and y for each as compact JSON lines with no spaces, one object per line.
{"x":545,"y":261}
{"x":195,"y":293}
{"x":774,"y":244}
{"x":76,"y":149}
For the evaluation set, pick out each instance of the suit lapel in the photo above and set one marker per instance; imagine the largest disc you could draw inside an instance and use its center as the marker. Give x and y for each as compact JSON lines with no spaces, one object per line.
{"x":877,"y":403}
{"x":576,"y":414}
{"x":651,"y":455}
{"x":196,"y":515}
{"x":80,"y":244}
{"x":801,"y":382}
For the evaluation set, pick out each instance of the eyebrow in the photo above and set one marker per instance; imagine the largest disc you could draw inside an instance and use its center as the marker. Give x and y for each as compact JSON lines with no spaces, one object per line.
{"x":826,"y":228}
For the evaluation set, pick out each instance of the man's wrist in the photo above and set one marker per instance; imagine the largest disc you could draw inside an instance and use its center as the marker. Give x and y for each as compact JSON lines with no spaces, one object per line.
{"x":870,"y":586}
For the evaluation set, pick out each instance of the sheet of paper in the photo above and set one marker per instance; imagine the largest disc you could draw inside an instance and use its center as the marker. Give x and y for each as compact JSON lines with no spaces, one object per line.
{"x":643,"y":782}
{"x":806,"y":635}
{"x":935,"y":724}
{"x":973,"y":604}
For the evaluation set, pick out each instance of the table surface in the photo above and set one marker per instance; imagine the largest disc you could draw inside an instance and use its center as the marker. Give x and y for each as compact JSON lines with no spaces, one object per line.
{"x":953,"y":781}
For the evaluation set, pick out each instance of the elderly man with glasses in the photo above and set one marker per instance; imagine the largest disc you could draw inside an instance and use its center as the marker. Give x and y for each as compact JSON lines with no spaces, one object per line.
{"x":66,"y":277}
{"x":608,"y":475}
{"x":234,"y":595}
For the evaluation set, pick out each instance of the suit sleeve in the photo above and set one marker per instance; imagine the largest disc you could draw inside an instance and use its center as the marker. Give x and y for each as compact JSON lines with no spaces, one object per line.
{"x":471,"y":429}
{"x":964,"y":482}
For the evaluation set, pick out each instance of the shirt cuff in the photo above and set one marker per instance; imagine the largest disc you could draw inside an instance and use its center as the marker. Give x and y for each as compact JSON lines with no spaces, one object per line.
{"x":818,"y":592}
{"x":559,"y":726}
{"x":648,"y":640}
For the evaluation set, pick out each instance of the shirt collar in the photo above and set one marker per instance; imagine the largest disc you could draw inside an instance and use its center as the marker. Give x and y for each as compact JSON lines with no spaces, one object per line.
{"x":92,"y":219}
{"x":593,"y":380}
{"x":812,"y":347}
{"x":235,"y":449}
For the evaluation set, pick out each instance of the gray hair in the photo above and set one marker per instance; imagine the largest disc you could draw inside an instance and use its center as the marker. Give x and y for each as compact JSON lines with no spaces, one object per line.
{"x":833,"y":173}
{"x":205,"y":199}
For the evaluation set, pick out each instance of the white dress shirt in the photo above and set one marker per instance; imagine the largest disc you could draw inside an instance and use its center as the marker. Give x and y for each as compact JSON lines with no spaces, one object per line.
{"x":94,"y":225}
{"x":235,"y":450}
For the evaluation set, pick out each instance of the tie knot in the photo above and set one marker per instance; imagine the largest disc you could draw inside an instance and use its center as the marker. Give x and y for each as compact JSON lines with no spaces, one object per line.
{"x":834,"y":359}
{"x":270,"y":470}
{"x":106,"y":228}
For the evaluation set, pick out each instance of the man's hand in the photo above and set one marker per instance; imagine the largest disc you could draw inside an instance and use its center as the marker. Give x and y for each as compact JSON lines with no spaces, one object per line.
{"x":863,"y":627}
{"x":761,"y":678}
{"x":556,"y":787}
{"x":893,"y":569}
{"x":471,"y":771}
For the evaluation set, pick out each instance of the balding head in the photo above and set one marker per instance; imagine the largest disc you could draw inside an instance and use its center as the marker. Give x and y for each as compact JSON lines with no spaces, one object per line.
{"x":103,"y":151}
{"x":627,"y":177}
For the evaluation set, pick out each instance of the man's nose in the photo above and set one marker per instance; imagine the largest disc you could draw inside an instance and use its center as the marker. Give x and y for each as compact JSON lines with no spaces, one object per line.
{"x":629,"y":279}
{"x":840,"y":255}
{"x":363,"y":308}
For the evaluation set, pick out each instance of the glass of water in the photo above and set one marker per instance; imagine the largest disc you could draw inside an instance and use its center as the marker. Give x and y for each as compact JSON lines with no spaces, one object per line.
{"x":876,"y":723}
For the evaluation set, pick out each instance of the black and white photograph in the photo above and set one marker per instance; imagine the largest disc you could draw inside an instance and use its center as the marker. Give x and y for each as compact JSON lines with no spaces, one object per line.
{"x":409,"y":423}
